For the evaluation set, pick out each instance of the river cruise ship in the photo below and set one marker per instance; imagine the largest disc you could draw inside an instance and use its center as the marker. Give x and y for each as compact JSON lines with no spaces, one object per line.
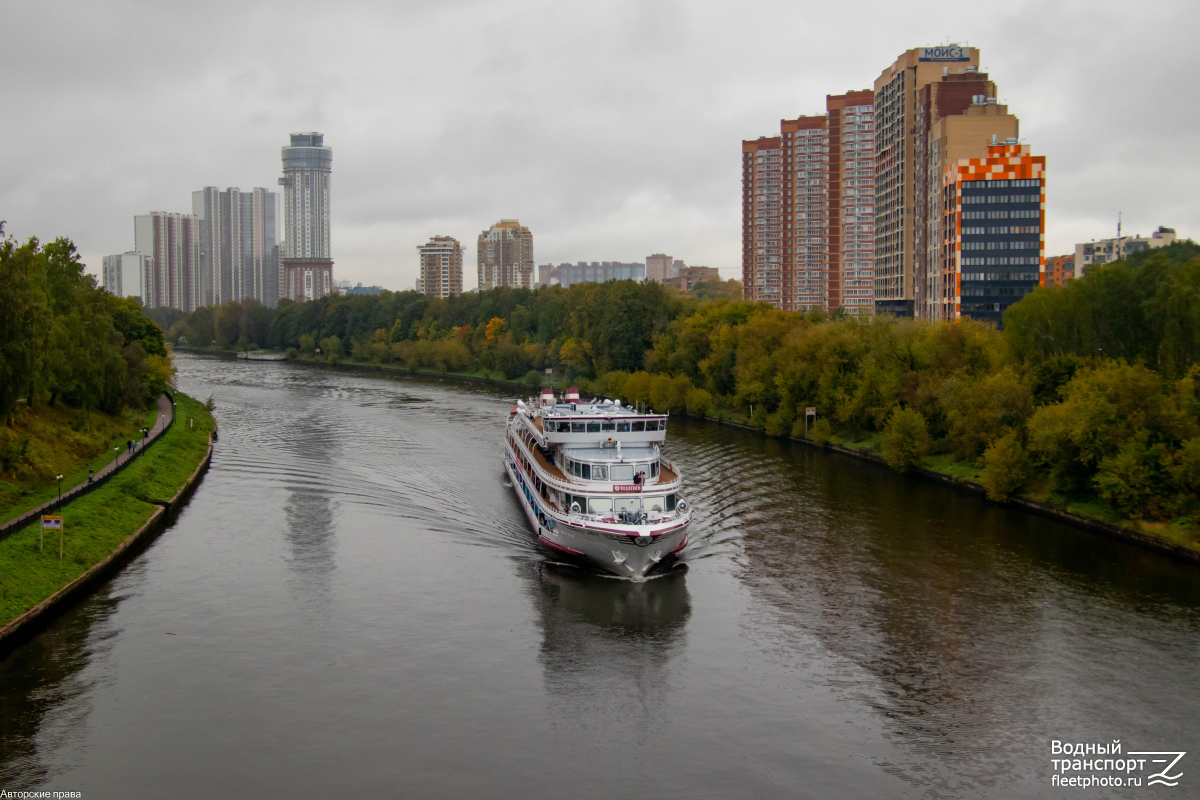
{"x":594,"y":483}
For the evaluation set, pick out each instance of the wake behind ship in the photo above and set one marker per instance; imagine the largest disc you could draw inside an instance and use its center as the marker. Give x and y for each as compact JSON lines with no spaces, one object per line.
{"x":594,"y":483}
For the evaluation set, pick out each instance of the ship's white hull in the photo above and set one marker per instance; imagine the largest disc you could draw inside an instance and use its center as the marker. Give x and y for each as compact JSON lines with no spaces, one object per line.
{"x":617,"y":553}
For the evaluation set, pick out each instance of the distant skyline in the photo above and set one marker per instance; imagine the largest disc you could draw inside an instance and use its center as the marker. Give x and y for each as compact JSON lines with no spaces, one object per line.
{"x":612,"y":130}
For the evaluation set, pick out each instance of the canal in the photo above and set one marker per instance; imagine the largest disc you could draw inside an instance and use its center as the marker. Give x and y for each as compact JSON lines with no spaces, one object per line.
{"x":352,"y":605}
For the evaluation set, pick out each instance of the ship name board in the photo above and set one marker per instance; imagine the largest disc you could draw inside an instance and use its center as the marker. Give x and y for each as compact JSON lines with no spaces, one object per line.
{"x":630,"y":487}
{"x":944,"y":54}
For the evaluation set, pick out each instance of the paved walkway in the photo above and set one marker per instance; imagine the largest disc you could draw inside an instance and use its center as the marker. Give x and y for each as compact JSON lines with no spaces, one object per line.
{"x":164,"y":416}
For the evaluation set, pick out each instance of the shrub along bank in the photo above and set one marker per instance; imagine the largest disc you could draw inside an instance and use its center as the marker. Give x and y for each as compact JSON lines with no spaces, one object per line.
{"x":98,"y":522}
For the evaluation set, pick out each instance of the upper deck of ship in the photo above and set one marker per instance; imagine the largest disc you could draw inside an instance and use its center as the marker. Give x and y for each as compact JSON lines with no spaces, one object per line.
{"x":574,"y":422}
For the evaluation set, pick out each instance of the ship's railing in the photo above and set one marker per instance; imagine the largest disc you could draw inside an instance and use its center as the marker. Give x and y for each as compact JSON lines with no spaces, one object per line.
{"x":570,"y":486}
{"x":616,"y":519}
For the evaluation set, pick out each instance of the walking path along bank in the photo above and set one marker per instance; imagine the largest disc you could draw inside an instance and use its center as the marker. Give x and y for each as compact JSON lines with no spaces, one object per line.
{"x":166,"y":415}
{"x":106,"y":522}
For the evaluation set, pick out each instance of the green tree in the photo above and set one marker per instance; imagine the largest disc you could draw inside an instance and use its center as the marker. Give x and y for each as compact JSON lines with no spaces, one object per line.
{"x":905,"y":439}
{"x":1006,"y":466}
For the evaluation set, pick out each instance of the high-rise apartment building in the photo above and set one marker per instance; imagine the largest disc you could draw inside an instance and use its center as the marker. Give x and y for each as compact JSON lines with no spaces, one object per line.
{"x":265,"y":227}
{"x":441,"y":267}
{"x":896,"y":92}
{"x":307,"y":263}
{"x":658,"y":268}
{"x":808,"y":210}
{"x":206,"y":207}
{"x":993,"y":216}
{"x":505,"y":256}
{"x":239,"y":244}
{"x":763,"y":215}
{"x":122,"y":275}
{"x":171,"y":243}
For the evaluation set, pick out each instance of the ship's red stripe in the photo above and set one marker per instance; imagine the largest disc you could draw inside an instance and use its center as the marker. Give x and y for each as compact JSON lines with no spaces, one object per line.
{"x":681,"y":545}
{"x":558,"y":546}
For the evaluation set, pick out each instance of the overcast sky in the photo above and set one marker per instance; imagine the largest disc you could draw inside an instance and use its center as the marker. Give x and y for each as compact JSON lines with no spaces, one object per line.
{"x":612,"y":128}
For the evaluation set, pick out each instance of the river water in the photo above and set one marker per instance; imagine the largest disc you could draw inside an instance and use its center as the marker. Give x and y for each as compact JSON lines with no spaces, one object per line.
{"x":352,"y":606}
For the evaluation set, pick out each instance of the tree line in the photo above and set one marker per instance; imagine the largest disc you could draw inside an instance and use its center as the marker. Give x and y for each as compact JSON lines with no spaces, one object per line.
{"x":1089,"y":391}
{"x":64,"y":339}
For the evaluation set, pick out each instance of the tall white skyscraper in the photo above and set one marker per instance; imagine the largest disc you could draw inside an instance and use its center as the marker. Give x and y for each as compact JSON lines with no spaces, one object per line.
{"x":308,"y":257}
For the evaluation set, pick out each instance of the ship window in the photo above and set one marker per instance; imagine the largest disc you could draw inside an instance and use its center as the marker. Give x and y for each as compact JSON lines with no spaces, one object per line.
{"x":600,"y":505}
{"x":587,"y":472}
{"x":653,"y":468}
{"x":622,"y":472}
{"x":654,"y":504}
{"x":622,"y":427}
{"x":577,"y":427}
{"x":608,"y":426}
{"x":593,"y":427}
{"x":670,"y":502}
{"x":639,"y":426}
{"x":628,"y":504}
{"x":599,"y":472}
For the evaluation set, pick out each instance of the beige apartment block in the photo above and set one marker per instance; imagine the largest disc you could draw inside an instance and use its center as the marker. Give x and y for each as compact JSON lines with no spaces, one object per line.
{"x":896,"y":104}
{"x":505,"y":256}
{"x":441,"y":267}
{"x":658,"y":268}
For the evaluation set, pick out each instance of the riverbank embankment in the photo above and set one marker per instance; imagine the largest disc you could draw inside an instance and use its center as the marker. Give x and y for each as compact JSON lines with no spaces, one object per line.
{"x":103,"y":529}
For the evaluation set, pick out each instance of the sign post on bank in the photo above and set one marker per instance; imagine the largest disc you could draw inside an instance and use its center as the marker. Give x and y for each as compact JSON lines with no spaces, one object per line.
{"x":808,"y":412}
{"x":51,"y":522}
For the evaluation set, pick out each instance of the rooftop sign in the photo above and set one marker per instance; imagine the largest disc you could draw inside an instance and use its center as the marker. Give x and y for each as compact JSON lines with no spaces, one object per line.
{"x":946,"y":53}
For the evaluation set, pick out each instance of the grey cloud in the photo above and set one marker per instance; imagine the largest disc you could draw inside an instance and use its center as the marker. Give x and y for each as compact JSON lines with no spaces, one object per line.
{"x":612,"y":129}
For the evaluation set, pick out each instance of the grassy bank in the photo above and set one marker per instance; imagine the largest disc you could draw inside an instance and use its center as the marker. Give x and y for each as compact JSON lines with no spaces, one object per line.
{"x":48,"y":441}
{"x":96,"y":523}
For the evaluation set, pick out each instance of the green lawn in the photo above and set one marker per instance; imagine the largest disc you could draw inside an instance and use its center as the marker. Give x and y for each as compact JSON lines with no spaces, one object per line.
{"x":946,"y":465}
{"x":96,"y":523}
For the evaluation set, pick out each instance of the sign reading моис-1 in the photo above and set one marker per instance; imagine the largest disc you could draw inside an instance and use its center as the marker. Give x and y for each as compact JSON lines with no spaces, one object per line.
{"x":946,"y":53}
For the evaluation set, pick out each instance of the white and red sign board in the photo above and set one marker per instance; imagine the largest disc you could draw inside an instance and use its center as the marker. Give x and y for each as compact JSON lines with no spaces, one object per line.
{"x":627,"y":487}
{"x":51,"y":523}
